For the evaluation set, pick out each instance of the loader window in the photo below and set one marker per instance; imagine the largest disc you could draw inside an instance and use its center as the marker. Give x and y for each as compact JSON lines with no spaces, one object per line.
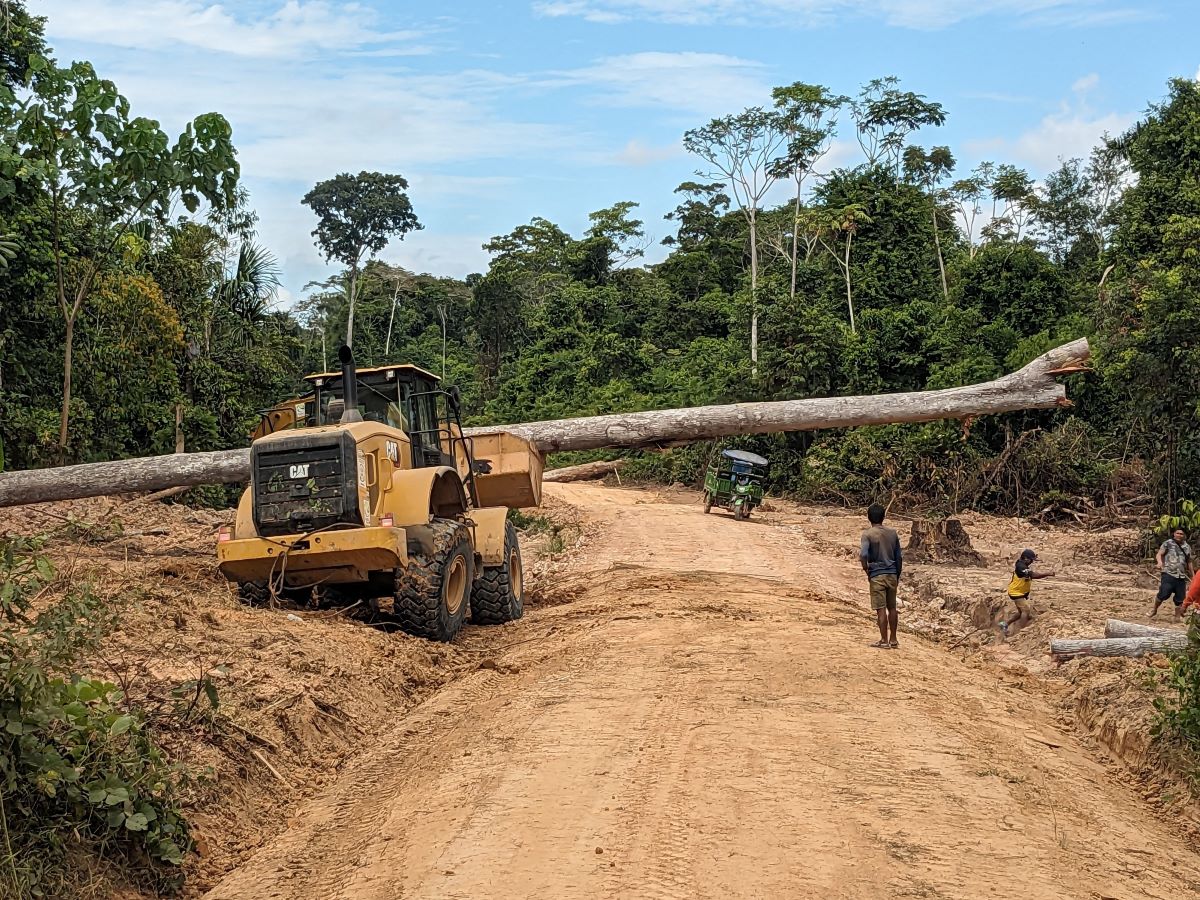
{"x":424,"y":430}
{"x":373,"y":400}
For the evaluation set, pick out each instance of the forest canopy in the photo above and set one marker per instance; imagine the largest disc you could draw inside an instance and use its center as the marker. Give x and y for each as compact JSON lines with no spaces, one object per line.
{"x":139,"y":312}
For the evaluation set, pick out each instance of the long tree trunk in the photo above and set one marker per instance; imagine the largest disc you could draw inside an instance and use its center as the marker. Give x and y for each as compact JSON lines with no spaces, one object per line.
{"x":1033,"y":387}
{"x":350,"y":317}
{"x":937,"y":243}
{"x":795,"y":242}
{"x":68,"y":351}
{"x":753,"y":220}
{"x":387,"y":345}
{"x":846,"y":270}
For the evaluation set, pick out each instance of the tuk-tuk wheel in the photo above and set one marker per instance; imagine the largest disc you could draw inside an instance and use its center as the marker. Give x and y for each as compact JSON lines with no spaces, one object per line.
{"x":741,"y":512}
{"x":707,"y":502}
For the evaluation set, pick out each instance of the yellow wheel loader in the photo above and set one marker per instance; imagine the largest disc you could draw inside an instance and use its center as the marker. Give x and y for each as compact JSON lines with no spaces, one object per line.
{"x":374,"y":494}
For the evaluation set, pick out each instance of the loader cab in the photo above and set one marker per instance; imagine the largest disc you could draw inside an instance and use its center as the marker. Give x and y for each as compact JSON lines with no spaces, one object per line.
{"x":403,"y":397}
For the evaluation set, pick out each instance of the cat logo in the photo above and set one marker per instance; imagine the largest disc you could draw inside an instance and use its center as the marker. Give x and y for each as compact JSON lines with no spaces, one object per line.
{"x":299,"y":471}
{"x":392,"y":449}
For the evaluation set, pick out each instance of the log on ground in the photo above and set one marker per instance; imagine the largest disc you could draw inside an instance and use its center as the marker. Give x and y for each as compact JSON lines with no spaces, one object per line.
{"x":584,"y":471}
{"x":1033,"y":387}
{"x":1171,"y":642}
{"x":1115,"y":628}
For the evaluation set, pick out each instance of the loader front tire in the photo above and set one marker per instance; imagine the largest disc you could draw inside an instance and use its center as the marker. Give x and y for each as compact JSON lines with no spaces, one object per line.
{"x":432,"y":593}
{"x":499,"y":592}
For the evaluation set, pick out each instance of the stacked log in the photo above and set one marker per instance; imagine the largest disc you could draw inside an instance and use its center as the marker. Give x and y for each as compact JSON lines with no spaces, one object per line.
{"x":1135,"y":640}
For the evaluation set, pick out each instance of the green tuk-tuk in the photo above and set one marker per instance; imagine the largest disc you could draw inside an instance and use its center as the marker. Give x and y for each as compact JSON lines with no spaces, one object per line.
{"x":734,"y":481}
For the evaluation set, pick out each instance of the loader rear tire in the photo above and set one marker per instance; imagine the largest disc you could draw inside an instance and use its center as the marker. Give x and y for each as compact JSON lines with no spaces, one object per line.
{"x":432,"y":593}
{"x":254,"y":593}
{"x":499,"y":592}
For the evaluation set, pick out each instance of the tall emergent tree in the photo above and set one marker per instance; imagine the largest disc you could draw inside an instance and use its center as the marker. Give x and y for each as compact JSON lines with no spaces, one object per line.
{"x":742,"y":150}
{"x":103,"y":172}
{"x":807,"y":115}
{"x":885,"y":116}
{"x":356,"y":216}
{"x":929,"y":170}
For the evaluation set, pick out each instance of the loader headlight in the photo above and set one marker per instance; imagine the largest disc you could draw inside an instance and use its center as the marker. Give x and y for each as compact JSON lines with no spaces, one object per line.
{"x":224,"y":534}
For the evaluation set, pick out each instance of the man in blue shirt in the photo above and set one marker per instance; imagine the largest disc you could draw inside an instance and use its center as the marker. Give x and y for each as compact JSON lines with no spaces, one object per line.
{"x":879,"y":552}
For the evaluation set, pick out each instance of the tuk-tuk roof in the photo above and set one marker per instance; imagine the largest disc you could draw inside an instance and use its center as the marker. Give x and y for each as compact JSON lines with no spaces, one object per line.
{"x":398,"y":368}
{"x":745,"y":456}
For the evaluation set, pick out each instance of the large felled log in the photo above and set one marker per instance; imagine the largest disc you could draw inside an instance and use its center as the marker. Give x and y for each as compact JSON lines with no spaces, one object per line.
{"x":1033,"y":387}
{"x":584,"y":471}
{"x":1115,"y":628}
{"x":1168,"y":642}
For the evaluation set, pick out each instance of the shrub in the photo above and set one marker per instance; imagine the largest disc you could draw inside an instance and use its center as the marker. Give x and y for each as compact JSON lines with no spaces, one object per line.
{"x":76,"y":763}
{"x":1179,"y":711}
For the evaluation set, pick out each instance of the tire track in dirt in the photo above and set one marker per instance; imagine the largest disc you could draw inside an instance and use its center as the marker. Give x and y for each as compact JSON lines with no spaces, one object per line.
{"x":707,"y":714}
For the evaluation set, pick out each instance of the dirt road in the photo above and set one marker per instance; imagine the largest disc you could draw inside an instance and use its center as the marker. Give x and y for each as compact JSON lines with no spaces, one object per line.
{"x":705,"y":718}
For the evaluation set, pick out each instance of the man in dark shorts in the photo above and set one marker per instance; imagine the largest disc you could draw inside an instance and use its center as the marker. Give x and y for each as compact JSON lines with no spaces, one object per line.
{"x":879,"y":552}
{"x":1176,"y":565}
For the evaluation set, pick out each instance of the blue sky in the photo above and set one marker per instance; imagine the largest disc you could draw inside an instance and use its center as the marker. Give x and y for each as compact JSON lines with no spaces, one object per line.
{"x":498,"y":112}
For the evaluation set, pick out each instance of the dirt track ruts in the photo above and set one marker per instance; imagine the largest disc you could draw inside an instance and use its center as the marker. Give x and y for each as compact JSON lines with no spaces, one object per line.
{"x":706,"y":719}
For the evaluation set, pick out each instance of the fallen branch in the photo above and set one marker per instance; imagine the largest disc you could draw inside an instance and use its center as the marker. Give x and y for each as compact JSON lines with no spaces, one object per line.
{"x":262,"y":759}
{"x":1033,"y":387}
{"x":163,"y":495}
{"x":254,"y":736}
{"x":1169,"y":642}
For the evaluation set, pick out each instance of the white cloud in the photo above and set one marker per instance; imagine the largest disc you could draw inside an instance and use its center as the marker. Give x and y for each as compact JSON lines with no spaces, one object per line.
{"x":700,"y":83}
{"x":922,"y":14}
{"x":302,"y":124}
{"x":1071,"y":131}
{"x":1065,"y":134}
{"x":441,"y":253}
{"x":293,"y":28}
{"x":638,"y":153}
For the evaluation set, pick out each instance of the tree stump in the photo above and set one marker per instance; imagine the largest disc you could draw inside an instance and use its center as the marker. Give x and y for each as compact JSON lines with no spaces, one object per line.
{"x":946,"y":541}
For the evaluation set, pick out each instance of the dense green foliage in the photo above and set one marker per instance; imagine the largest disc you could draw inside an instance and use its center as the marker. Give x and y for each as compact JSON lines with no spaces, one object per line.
{"x":1178,"y":706}
{"x":901,"y":273}
{"x":76,"y":763}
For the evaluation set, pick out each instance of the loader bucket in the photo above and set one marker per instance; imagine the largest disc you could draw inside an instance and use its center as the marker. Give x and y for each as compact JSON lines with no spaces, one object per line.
{"x":513,"y":475}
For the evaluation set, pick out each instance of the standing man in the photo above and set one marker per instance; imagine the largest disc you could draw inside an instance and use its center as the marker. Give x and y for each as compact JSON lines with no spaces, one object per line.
{"x":1018,"y":590}
{"x":879,"y":551}
{"x":1175,"y":563}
